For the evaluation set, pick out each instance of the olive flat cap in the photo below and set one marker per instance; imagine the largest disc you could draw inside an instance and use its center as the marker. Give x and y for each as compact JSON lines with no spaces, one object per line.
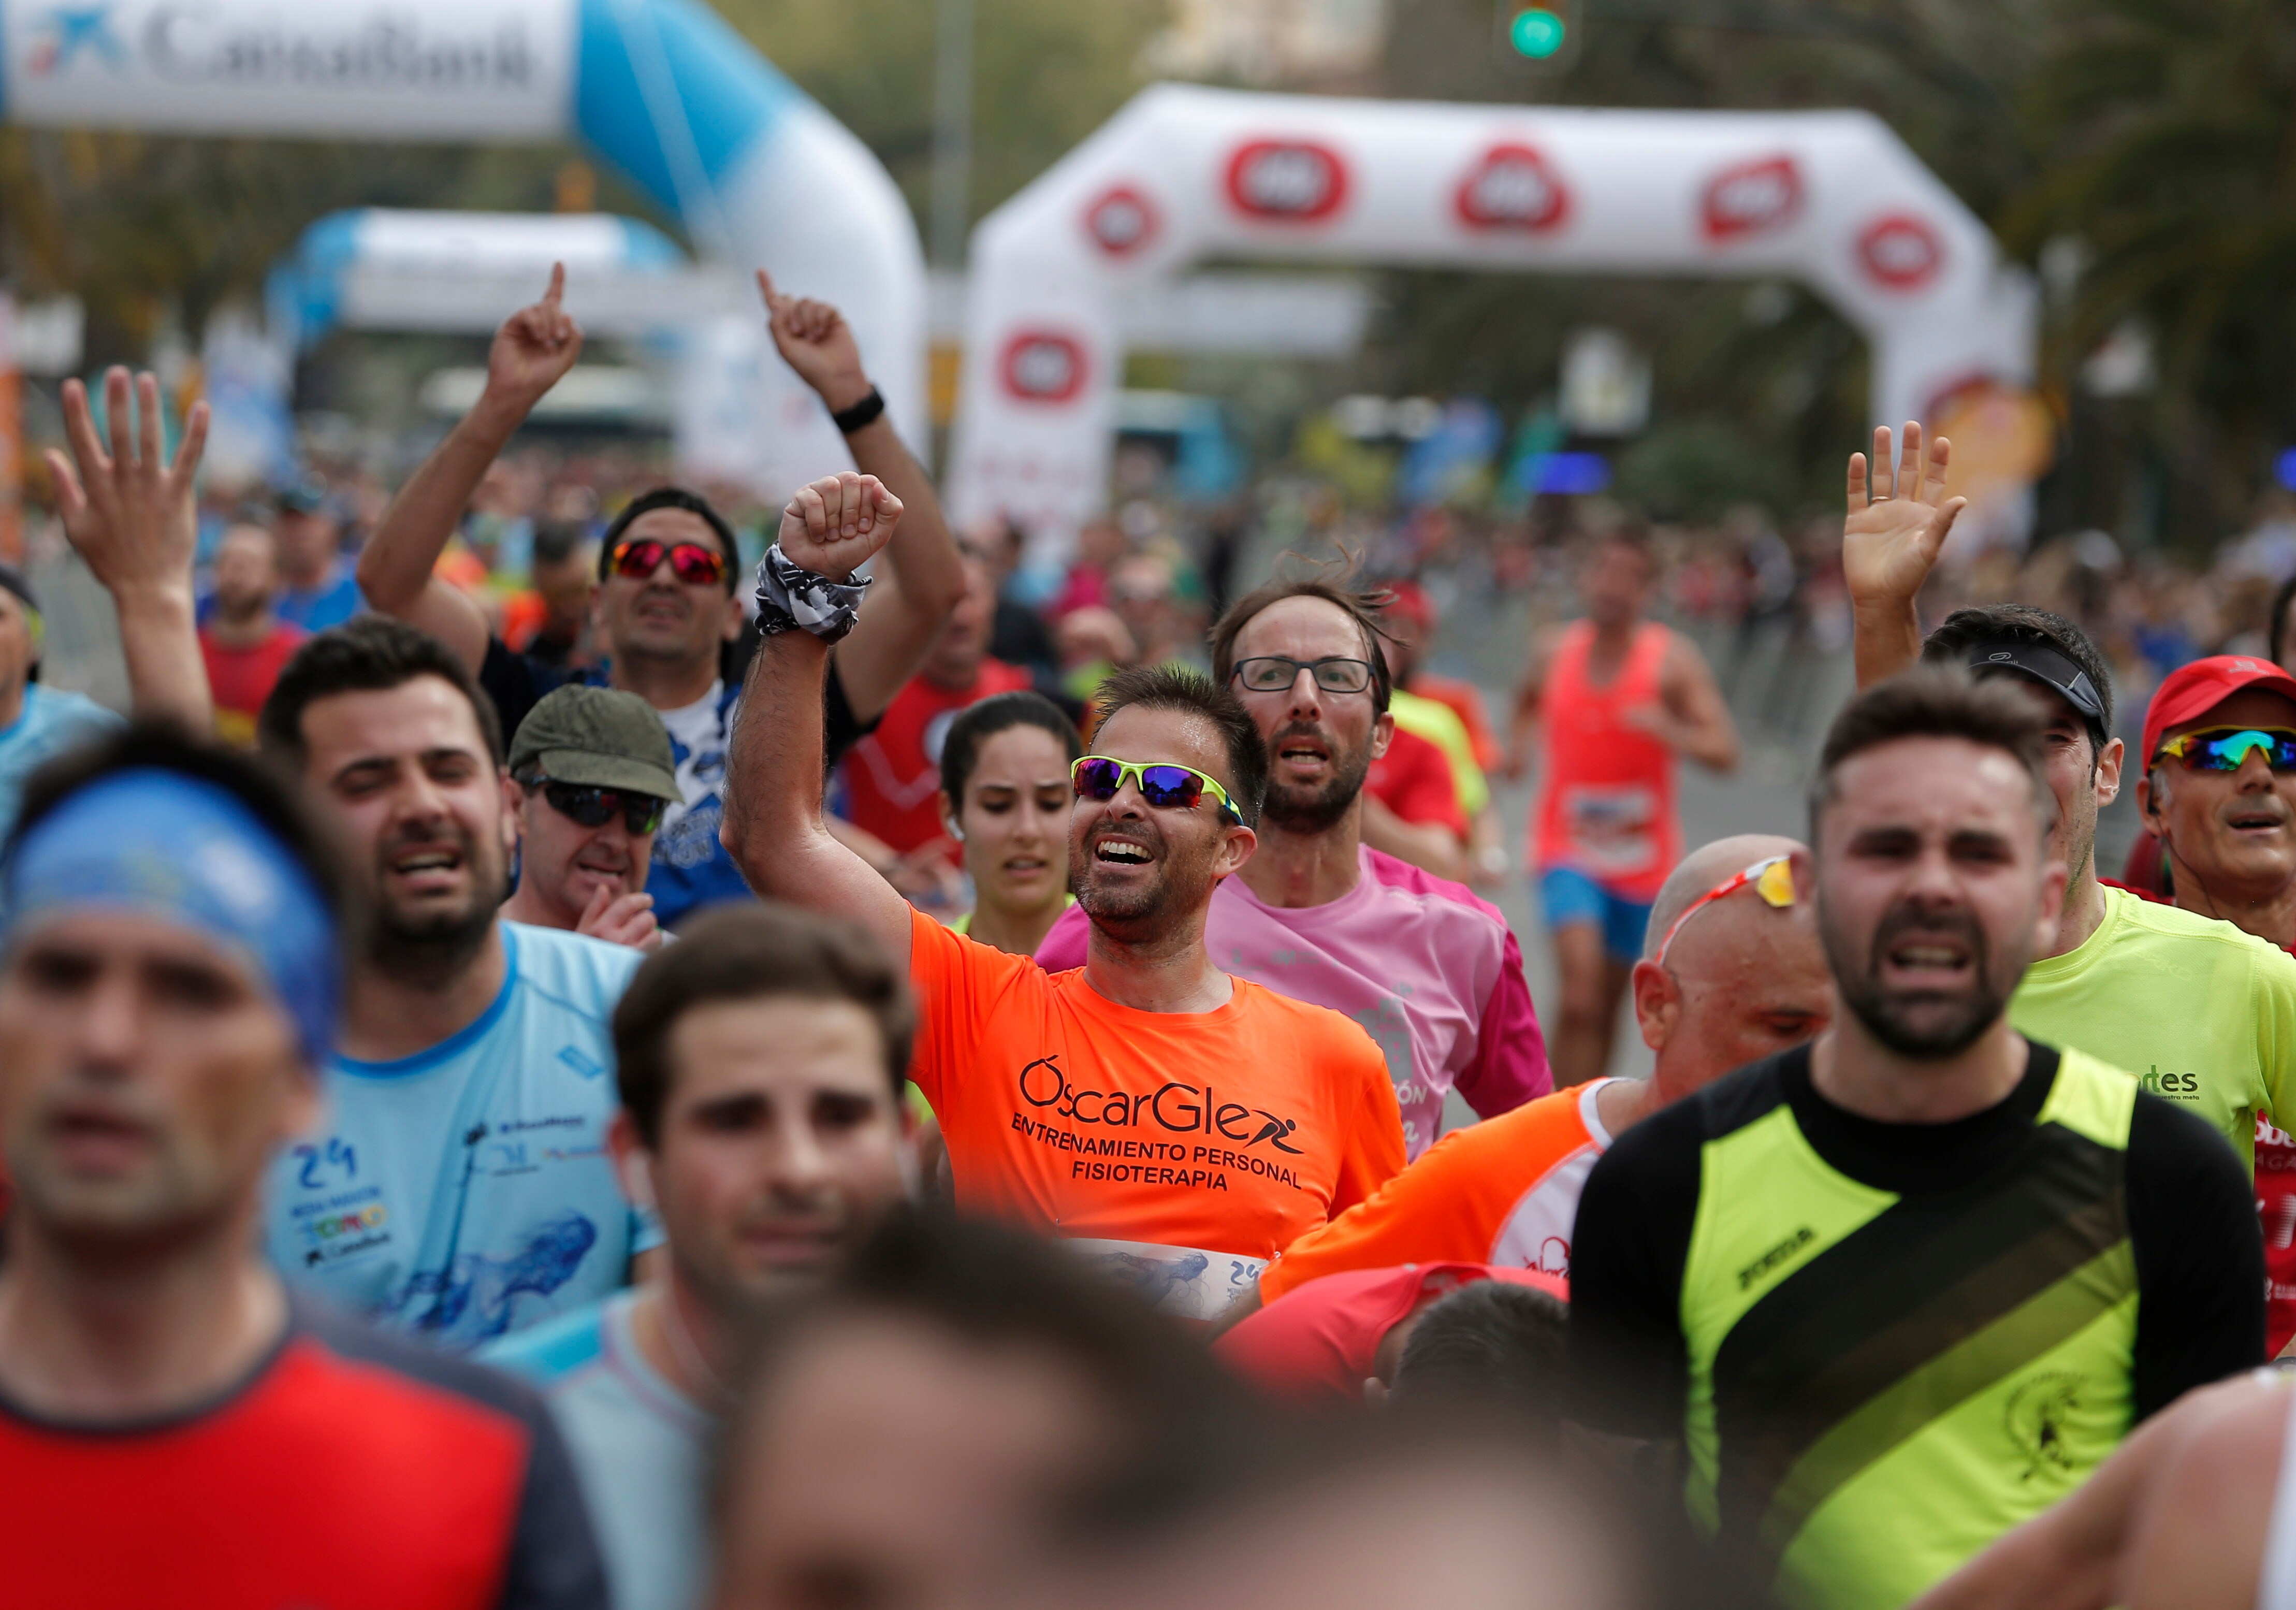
{"x":599,"y":736}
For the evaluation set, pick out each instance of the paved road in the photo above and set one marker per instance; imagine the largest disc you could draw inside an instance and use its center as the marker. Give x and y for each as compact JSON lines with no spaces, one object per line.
{"x":1765,"y":796}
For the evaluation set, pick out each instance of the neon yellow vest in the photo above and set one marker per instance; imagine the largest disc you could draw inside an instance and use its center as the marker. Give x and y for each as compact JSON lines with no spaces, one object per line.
{"x":1881,"y":1385}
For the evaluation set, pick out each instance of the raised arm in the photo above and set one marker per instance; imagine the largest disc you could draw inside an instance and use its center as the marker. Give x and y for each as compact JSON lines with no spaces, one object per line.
{"x":1890,"y":542}
{"x":898,"y":627}
{"x":531,"y":353}
{"x":134,"y":518}
{"x":773,"y":824}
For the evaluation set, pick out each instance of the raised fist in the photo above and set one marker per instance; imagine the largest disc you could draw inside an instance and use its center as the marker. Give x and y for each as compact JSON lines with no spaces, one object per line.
{"x":837,"y":524}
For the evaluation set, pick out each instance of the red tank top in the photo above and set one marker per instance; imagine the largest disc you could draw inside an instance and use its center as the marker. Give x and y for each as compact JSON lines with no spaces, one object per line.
{"x":1606,"y":788}
{"x":893,"y":777}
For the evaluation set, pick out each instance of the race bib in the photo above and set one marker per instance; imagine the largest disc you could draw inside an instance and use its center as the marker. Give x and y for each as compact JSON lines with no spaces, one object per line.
{"x":1612,"y":827}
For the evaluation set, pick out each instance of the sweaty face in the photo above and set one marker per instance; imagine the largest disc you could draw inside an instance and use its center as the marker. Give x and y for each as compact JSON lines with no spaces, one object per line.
{"x":781,"y":1146}
{"x":148,"y":1077}
{"x":1753,"y":982}
{"x":1015,"y":817}
{"x":893,"y":1466}
{"x":407,"y":772}
{"x":2083,"y":779}
{"x":568,"y":863}
{"x":1934,"y":892}
{"x":2231,"y":831}
{"x":1134,"y":869}
{"x":1320,"y":745}
{"x":657,"y":617}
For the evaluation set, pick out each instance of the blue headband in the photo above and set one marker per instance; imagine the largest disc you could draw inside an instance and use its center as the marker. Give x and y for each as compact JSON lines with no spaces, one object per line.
{"x":188,"y":852}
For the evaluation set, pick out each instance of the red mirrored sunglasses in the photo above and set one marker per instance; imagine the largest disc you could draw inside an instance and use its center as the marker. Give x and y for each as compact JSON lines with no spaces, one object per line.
{"x":694,"y":563}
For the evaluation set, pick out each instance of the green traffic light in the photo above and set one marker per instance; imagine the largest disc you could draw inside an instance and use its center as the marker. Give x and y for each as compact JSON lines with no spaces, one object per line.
{"x":1536,"y":32}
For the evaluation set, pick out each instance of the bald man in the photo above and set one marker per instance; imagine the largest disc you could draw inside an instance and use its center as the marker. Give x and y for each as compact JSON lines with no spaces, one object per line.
{"x":1731,"y":972}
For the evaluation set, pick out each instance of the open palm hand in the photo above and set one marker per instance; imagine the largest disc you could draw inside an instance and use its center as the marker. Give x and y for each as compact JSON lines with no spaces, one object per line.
{"x":133,"y":515}
{"x":1896,"y":528}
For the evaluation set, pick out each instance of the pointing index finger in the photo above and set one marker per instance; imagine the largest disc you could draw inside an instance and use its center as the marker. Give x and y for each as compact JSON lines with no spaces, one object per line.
{"x":557,"y":292}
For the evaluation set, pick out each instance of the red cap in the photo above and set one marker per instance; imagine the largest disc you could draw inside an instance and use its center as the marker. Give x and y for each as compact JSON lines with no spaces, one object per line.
{"x":2191,"y":691}
{"x":1409,"y":600}
{"x":1315,"y":1346}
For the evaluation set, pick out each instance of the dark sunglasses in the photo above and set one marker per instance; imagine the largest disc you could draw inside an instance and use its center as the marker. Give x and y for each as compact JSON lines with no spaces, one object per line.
{"x":1166,"y":788}
{"x":694,"y":563}
{"x":591,"y":807}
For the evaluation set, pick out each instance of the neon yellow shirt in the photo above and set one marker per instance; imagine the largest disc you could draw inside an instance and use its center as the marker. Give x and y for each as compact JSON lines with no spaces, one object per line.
{"x":1440,"y":726}
{"x":2203,"y":1014}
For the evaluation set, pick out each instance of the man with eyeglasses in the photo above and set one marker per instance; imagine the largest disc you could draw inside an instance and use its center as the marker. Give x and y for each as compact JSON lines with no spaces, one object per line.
{"x":668,"y":602}
{"x":2204,"y":1013}
{"x":591,"y":774}
{"x":1326,"y":912}
{"x":1745,"y":979}
{"x":1179,"y":1123}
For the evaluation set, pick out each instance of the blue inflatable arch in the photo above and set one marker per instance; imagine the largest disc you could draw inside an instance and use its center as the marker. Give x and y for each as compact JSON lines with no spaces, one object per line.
{"x":662,"y":91}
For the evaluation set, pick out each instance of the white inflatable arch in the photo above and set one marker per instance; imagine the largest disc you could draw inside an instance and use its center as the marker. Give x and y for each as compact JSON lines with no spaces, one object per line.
{"x":1832,"y":199}
{"x":662,"y":90}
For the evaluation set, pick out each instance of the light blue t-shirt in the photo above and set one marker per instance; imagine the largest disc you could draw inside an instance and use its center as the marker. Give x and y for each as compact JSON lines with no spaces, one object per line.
{"x":332,"y":602}
{"x":639,"y":1445}
{"x":51,"y":721}
{"x":465,"y":1191}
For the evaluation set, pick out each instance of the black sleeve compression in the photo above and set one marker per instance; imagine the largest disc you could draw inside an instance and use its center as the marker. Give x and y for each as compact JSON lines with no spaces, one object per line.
{"x":841,"y":728}
{"x":1629,"y":1370}
{"x":2199,"y":1255}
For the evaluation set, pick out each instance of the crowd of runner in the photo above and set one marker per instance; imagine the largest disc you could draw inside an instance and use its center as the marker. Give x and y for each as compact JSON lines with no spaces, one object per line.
{"x":819,"y":1084}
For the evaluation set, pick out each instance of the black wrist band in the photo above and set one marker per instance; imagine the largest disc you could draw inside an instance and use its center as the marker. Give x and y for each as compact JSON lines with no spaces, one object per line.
{"x":861,"y":413}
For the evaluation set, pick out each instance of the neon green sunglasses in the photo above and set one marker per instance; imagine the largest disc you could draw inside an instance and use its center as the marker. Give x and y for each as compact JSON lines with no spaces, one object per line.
{"x":1163,"y":784}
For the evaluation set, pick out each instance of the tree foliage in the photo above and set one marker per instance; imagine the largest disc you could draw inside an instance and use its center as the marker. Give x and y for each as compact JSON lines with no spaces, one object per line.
{"x":2167,"y":130}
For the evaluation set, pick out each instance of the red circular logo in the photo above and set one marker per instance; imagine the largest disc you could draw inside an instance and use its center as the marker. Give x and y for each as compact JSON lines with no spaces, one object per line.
{"x":1513,"y":187}
{"x":1751,"y":198}
{"x":1043,"y":366}
{"x":1297,"y":181}
{"x":1121,"y":220}
{"x":1901,"y":251}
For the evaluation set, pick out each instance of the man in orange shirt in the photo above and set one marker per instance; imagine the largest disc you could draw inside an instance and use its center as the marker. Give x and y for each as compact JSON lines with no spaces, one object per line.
{"x":1744,"y":980}
{"x":1181,"y":1123}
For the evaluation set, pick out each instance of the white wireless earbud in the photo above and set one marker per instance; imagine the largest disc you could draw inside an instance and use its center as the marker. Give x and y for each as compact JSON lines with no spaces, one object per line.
{"x":638,"y":1184}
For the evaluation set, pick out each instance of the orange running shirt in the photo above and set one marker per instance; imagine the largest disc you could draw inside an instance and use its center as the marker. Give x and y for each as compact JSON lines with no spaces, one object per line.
{"x":1184,"y":1148}
{"x":1505,"y":1192}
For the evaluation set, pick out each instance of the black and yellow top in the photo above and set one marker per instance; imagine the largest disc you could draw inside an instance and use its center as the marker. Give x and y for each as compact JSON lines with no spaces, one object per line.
{"x":1882,"y":1345}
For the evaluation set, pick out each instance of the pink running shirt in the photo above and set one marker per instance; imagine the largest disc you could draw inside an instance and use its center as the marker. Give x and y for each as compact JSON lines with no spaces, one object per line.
{"x":1431,"y":971}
